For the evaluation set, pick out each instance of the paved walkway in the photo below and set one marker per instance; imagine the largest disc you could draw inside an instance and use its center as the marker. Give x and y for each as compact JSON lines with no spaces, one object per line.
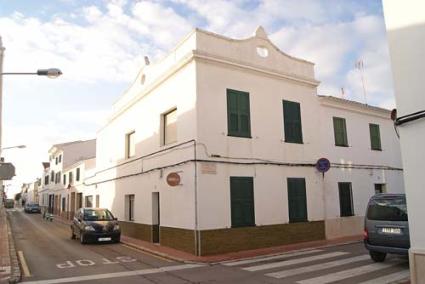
{"x":9,"y":267}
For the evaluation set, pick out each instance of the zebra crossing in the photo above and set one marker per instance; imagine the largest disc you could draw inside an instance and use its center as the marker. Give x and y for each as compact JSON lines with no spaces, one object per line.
{"x":321,"y":266}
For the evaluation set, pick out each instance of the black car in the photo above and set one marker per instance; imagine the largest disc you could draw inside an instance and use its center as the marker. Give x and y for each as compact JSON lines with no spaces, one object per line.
{"x":32,"y":208}
{"x":95,"y":225}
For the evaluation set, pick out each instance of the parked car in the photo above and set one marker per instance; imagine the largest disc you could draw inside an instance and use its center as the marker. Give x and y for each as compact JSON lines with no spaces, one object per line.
{"x":386,"y":226}
{"x":95,"y":225}
{"x":32,"y":208}
{"x":9,"y":203}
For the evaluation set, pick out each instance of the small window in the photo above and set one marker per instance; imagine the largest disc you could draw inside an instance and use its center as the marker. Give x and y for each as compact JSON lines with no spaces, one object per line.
{"x":97,"y":201}
{"x":52,"y":176}
{"x":345,"y":199}
{"x":375,"y":137}
{"x":89,"y":201}
{"x":297,"y":200}
{"x":242,"y":201}
{"x":56,"y":160}
{"x":169,"y":127}
{"x":70,"y":178}
{"x":129,"y":207}
{"x":63,"y":204}
{"x":64,"y":179}
{"x":60,"y":158}
{"x":130,"y":146}
{"x":46,"y":180}
{"x":238,"y":114}
{"x":292,"y":122}
{"x":380,"y":188}
{"x":77,"y":174}
{"x":340,"y":132}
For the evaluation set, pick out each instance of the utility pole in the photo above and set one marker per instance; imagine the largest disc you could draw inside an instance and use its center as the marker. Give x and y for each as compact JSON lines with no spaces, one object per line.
{"x":1,"y":113}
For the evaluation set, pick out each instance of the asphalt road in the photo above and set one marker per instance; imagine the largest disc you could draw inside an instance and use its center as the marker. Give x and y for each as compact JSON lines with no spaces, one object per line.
{"x":52,"y":257}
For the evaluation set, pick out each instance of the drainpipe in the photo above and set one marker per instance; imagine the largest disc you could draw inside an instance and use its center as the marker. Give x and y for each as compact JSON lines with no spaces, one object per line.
{"x":197,"y":232}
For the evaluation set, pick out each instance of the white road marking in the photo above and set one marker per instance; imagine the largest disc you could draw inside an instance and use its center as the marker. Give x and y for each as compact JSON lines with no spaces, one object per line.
{"x":404,"y":274}
{"x":24,"y":265}
{"x":116,"y":274}
{"x":316,"y":267}
{"x":294,"y":261}
{"x":336,"y":276}
{"x":281,"y":256}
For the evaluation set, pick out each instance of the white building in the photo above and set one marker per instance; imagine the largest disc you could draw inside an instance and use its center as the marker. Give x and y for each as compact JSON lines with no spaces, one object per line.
{"x":64,"y":174}
{"x":213,"y":149}
{"x":405,"y":23}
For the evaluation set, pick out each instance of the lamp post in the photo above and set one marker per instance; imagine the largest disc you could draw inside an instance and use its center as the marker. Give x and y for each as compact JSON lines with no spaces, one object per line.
{"x":50,"y":73}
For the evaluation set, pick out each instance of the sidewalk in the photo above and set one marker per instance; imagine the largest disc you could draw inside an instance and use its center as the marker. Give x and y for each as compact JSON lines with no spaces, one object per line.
{"x":173,"y":254}
{"x":9,"y":266}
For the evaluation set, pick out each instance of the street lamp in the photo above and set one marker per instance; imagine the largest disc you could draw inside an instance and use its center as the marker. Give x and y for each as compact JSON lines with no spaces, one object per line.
{"x":50,"y":73}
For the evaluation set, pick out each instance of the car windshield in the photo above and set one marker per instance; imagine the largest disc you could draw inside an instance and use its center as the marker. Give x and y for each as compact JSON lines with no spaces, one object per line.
{"x":388,"y":209}
{"x":97,"y":215}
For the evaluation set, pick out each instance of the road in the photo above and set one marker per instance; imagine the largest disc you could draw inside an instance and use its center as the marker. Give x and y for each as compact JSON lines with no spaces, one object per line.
{"x":50,"y":256}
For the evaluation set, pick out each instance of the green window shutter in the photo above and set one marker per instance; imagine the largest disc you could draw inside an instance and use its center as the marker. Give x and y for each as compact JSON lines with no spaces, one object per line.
{"x":345,"y":199}
{"x":375,"y":137}
{"x":242,"y":201}
{"x":238,"y":114}
{"x":340,"y":131}
{"x":297,"y":200}
{"x":292,"y":122}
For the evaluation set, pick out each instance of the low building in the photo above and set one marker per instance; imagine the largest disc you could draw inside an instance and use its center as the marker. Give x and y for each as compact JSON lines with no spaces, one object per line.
{"x":214,"y":149}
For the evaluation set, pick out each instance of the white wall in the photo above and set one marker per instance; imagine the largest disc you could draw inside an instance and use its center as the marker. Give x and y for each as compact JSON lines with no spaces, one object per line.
{"x":405,"y":22}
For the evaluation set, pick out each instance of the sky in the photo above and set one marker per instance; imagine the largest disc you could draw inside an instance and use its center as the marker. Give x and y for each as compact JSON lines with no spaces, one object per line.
{"x":100,"y":44}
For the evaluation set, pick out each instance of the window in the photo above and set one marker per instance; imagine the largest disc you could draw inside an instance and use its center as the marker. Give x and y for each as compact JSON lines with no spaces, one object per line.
{"x":60,"y":158}
{"x":169,"y":127}
{"x":64,"y":179}
{"x":46,"y":180}
{"x":63,"y":204}
{"x":77,"y":174}
{"x":380,"y":188}
{"x":129,"y":207}
{"x":58,"y":177}
{"x":242,"y":201}
{"x":345,"y":199}
{"x":97,"y":200}
{"x":340,"y":131}
{"x":292,"y":122}
{"x":130,"y":146}
{"x":89,"y":201}
{"x":70,"y":178}
{"x":388,"y":209}
{"x":238,"y":114}
{"x":297,"y":200}
{"x":52,"y":176}
{"x":375,"y":137}
{"x":56,"y":160}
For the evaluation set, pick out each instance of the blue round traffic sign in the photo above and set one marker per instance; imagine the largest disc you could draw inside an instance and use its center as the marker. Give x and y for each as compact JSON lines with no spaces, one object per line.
{"x":323,"y":165}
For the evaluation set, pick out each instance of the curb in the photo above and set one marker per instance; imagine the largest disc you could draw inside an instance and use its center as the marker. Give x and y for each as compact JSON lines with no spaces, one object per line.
{"x":16,"y":275}
{"x":163,"y":255}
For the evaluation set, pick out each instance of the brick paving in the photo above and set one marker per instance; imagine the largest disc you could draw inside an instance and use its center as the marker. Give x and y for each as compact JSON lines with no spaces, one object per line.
{"x":9,"y":265}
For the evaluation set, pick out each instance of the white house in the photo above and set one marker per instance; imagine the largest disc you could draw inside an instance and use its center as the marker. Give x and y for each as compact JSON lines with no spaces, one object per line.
{"x":64,"y":172}
{"x":213,"y":149}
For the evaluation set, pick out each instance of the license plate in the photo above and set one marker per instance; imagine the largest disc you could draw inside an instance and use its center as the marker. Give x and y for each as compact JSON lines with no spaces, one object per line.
{"x":103,"y":239}
{"x":395,"y":231}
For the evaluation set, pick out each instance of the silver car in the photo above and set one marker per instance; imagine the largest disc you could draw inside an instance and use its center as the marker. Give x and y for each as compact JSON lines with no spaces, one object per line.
{"x":386,"y":226}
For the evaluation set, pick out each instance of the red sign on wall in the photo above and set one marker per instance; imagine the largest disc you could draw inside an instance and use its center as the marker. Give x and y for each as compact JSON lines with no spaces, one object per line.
{"x":173,"y":179}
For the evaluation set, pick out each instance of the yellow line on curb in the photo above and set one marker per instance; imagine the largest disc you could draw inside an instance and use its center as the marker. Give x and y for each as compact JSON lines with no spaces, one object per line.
{"x":146,"y":252}
{"x":24,"y":265}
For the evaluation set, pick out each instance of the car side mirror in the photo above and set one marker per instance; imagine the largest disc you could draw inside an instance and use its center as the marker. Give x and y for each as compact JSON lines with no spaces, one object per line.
{"x":115,"y":219}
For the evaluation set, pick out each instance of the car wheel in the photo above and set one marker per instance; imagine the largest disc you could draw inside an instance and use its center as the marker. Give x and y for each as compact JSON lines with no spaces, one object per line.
{"x":82,"y":239}
{"x":117,"y":240}
{"x":377,"y":256}
{"x":72,"y":234}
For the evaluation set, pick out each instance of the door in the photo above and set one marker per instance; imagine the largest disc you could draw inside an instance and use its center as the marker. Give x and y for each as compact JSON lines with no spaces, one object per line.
{"x":72,"y":209}
{"x":155,"y":217}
